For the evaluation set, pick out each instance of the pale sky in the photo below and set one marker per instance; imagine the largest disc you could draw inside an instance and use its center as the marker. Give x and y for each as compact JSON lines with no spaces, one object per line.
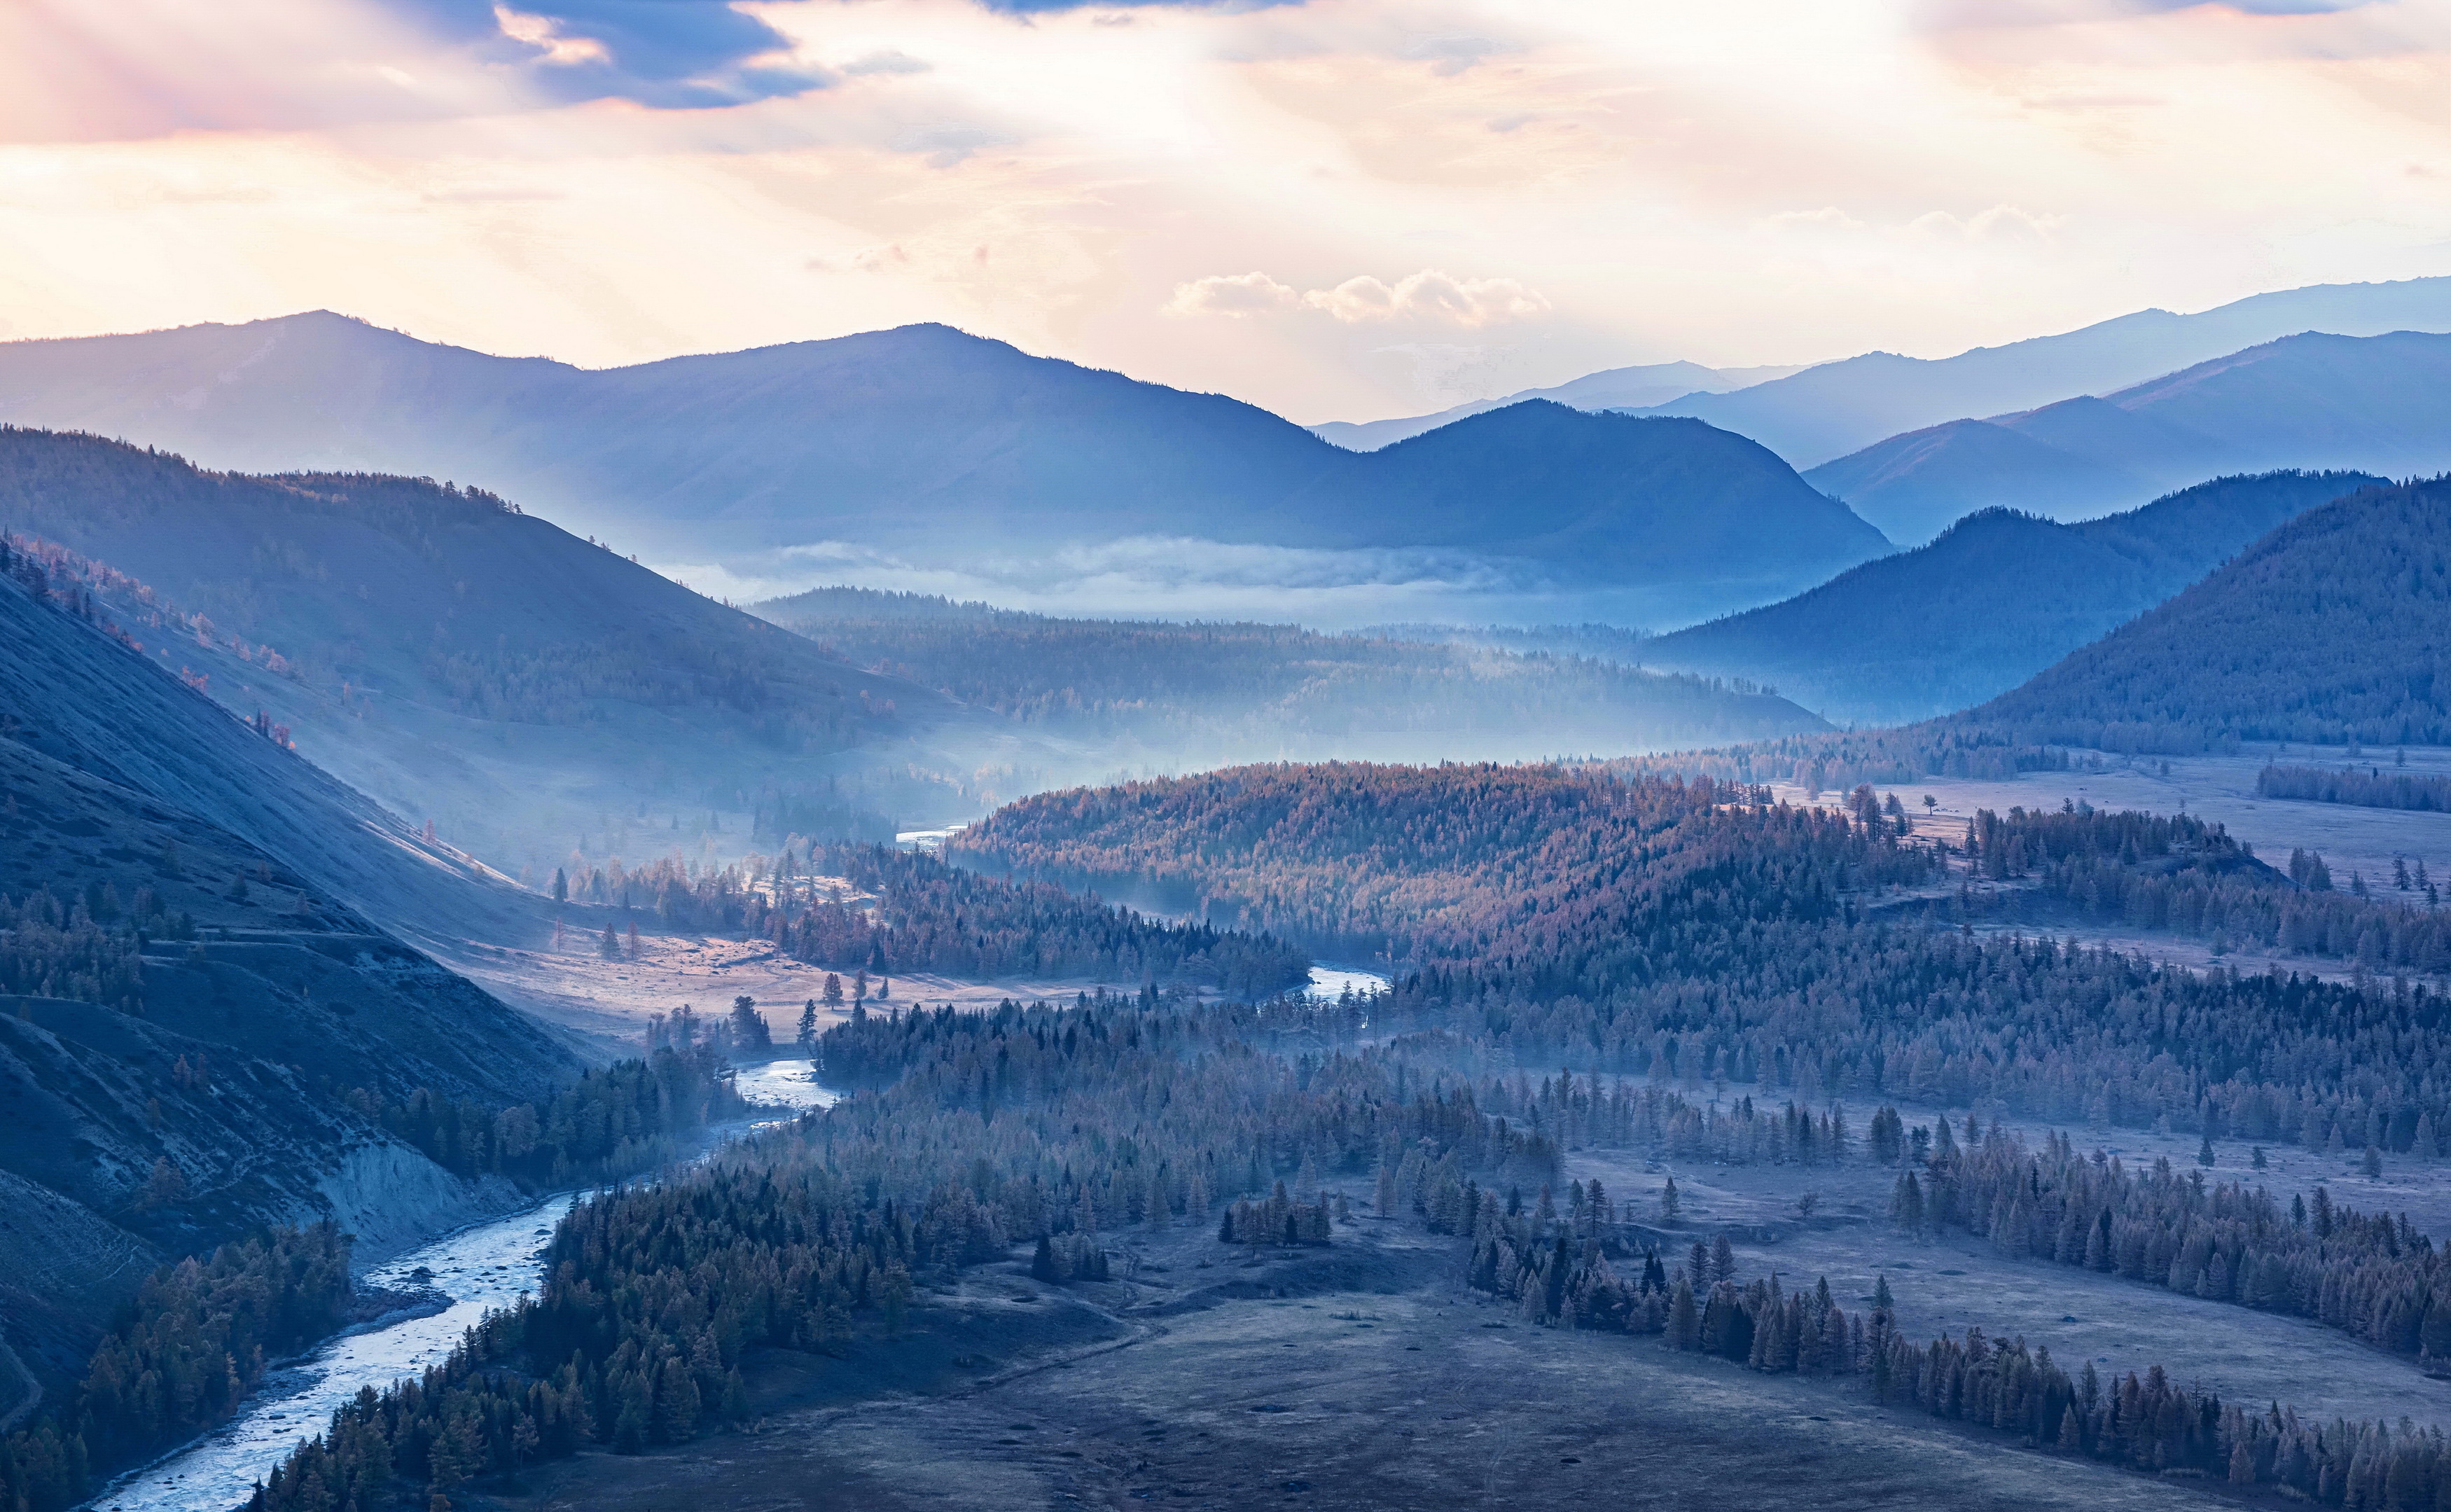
{"x":1339,"y":210}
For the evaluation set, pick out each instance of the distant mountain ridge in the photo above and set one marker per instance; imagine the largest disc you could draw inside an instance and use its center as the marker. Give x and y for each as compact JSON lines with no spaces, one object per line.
{"x":2378,"y":402}
{"x":926,"y":444}
{"x":1613,"y":388}
{"x":1997,"y":598}
{"x":1837,"y":408}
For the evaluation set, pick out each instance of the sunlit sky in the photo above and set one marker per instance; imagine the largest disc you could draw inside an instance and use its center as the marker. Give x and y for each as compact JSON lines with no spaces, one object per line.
{"x":1339,"y":210}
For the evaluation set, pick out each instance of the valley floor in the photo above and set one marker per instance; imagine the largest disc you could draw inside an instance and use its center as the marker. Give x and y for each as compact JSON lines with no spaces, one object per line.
{"x":1362,"y":1376}
{"x":2220,"y":789}
{"x":1959,"y":1281}
{"x":574,"y":987}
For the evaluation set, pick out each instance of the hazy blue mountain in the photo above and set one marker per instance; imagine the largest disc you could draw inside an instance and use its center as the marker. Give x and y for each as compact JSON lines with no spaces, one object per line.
{"x":920,"y":441}
{"x":464,"y":662}
{"x":1662,"y":499}
{"x":1837,"y":408}
{"x":1636,"y":388}
{"x":2334,"y":627}
{"x":1917,"y":484}
{"x":1997,"y":598}
{"x":2377,"y":403}
{"x":1152,"y":694}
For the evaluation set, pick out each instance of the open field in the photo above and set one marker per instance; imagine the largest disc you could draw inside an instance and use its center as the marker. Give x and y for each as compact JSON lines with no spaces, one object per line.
{"x":1960,"y":1282}
{"x":2222,"y":789}
{"x":1362,"y":1376}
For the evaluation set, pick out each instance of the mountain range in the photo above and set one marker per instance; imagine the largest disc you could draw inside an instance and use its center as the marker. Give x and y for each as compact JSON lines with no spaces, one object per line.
{"x":1837,"y":408}
{"x":928,"y":445}
{"x":2375,"y":403}
{"x":1997,"y":598}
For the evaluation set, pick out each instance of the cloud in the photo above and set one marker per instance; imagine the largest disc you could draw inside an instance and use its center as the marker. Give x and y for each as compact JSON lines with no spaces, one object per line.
{"x":666,"y":54}
{"x":887,"y":60}
{"x":1232,"y":294}
{"x":1428,"y":295}
{"x":2001,"y":223}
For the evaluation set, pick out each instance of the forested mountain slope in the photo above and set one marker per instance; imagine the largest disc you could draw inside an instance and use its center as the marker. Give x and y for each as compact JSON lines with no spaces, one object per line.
{"x":1836,"y":408}
{"x":2334,"y":627}
{"x":2375,"y":404}
{"x":195,"y":982}
{"x":1198,"y":693}
{"x":1998,"y":597}
{"x":923,"y":442}
{"x":462,"y":661}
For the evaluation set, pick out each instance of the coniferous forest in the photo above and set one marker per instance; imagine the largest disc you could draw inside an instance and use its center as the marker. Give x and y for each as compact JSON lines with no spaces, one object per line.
{"x":1250,"y":756}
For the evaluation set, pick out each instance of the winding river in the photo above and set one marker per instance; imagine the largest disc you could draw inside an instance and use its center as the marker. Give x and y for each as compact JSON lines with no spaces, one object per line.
{"x":479,"y":1267}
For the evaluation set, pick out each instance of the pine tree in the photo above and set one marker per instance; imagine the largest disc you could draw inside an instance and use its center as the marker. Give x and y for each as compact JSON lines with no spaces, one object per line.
{"x":1685,"y":1319}
{"x":1668,"y":1202}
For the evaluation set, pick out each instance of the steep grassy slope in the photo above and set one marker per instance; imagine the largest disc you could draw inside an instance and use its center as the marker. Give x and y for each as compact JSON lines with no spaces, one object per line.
{"x":1177,"y":695}
{"x":2334,"y":627}
{"x":923,"y":442}
{"x":1999,"y":596}
{"x":197,"y":983}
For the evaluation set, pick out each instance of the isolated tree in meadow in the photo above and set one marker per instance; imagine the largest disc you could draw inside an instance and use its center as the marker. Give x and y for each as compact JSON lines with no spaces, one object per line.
{"x":2204,"y":1156}
{"x":1669,"y":1202}
{"x":1723,"y":1260}
{"x":609,"y":946}
{"x":2372,"y":1164}
{"x":833,"y":991}
{"x":560,"y":886}
{"x":807,"y":1038}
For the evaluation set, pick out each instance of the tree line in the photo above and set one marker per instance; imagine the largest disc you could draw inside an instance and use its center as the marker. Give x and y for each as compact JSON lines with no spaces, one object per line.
{"x":633,"y":1115}
{"x":2369,"y":789}
{"x":2190,"y":878}
{"x":930,"y":916}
